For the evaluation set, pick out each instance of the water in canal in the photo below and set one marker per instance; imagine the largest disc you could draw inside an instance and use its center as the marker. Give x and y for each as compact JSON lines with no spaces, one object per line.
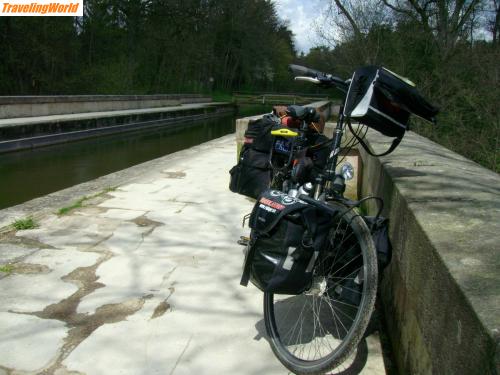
{"x":25,"y":175}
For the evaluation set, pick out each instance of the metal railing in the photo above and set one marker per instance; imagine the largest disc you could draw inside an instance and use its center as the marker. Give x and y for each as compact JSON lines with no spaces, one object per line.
{"x":269,"y":98}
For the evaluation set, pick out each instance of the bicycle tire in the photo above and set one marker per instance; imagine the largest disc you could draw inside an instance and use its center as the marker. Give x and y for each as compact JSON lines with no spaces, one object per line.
{"x":320,"y":312}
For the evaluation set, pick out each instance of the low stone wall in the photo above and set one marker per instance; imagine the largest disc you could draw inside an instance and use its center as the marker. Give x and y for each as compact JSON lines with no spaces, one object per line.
{"x":30,"y":106}
{"x":441,"y":291}
{"x":20,"y":134}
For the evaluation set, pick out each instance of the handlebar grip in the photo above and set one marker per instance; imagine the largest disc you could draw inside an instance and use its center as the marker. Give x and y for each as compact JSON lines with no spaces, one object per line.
{"x":315,"y":76}
{"x":300,"y":70}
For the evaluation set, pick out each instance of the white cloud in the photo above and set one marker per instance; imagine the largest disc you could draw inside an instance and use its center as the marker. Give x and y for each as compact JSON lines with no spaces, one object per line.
{"x":301,"y":16}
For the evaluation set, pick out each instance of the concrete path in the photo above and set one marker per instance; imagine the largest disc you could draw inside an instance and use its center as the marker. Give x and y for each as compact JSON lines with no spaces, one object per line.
{"x":141,"y":280}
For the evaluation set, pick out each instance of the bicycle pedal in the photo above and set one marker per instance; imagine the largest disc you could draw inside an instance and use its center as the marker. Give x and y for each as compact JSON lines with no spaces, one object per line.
{"x":243,"y":241}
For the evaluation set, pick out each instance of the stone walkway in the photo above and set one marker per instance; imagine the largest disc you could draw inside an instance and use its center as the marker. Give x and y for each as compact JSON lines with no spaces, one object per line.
{"x":143,"y":279}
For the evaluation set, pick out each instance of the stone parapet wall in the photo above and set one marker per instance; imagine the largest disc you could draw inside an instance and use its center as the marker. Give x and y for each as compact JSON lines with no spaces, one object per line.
{"x":31,"y":106}
{"x":441,"y":292}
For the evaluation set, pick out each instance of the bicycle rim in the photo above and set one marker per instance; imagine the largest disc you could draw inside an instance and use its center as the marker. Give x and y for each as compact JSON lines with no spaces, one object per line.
{"x":318,"y":330}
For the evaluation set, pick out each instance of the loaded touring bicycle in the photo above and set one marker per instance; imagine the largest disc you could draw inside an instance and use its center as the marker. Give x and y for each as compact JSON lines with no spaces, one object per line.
{"x":313,"y":255}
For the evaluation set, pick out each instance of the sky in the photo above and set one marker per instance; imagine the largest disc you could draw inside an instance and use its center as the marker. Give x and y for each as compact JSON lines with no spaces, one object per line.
{"x":302,"y":14}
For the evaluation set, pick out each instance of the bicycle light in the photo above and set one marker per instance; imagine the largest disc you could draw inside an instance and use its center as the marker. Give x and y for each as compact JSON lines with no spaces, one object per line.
{"x":347,"y":171}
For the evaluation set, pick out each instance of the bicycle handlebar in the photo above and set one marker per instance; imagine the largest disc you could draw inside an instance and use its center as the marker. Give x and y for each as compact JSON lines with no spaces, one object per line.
{"x":303,"y":73}
{"x":300,"y":70}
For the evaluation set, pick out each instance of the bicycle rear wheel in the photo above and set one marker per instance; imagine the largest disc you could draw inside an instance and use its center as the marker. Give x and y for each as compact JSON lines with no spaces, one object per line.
{"x":318,"y":330}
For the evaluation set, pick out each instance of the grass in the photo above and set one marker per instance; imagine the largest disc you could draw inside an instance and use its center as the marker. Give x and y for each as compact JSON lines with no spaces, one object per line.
{"x":6,"y":268}
{"x":80,"y":202}
{"x":26,"y":223}
{"x":107,"y":190}
{"x":75,"y":205}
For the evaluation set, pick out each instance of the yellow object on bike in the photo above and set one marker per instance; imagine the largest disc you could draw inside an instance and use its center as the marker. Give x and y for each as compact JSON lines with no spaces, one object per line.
{"x":283,"y":132}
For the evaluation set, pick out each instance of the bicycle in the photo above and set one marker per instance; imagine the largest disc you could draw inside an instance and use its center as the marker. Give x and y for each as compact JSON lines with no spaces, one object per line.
{"x":317,"y":328}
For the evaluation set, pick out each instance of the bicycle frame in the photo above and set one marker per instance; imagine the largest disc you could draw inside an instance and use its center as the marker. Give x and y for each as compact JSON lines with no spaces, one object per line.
{"x":324,"y":182}
{"x":326,"y":179}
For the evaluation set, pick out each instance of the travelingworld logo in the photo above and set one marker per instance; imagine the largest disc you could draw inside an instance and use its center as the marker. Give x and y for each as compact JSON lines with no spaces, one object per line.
{"x":72,"y":8}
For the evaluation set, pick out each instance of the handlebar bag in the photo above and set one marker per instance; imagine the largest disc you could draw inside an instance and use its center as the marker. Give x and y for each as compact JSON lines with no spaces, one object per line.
{"x":285,"y":241}
{"x":383,"y":100}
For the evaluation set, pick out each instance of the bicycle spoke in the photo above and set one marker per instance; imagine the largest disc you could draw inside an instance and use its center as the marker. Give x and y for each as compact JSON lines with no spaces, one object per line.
{"x":313,"y":328}
{"x":340,"y":321}
{"x":345,"y":265}
{"x":342,"y":312}
{"x":325,"y":333}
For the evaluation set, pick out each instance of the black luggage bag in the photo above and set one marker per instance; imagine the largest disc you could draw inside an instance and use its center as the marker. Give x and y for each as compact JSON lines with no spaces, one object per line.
{"x":285,"y":241}
{"x":252,"y":175}
{"x":383,"y":101}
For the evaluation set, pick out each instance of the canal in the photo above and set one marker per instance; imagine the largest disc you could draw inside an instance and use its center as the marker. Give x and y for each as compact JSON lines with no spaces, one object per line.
{"x":25,"y":175}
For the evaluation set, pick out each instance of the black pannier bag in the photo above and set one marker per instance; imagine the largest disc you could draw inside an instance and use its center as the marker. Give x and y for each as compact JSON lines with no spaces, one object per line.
{"x":379,"y":227}
{"x":286,"y":237}
{"x":383,"y":101}
{"x":252,"y":175}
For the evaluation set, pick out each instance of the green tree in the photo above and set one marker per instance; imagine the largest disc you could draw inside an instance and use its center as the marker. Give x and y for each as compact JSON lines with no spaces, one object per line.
{"x":435,"y":44}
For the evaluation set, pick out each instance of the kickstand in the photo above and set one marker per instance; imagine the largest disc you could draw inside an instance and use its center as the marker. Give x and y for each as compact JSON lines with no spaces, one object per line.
{"x":243,"y":241}
{"x":245,"y":218}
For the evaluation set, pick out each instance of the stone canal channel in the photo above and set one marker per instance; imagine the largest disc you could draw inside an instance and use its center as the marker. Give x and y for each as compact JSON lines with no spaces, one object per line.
{"x":32,"y":173}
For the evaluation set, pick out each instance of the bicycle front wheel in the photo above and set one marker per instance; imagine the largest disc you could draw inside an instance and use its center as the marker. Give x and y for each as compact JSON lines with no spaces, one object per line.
{"x":316,"y":331}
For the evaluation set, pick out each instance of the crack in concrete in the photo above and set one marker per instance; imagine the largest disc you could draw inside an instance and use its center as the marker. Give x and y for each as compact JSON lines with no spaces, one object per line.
{"x":174,"y":200}
{"x":80,"y":325}
{"x":161,"y":309}
{"x":91,"y":210}
{"x":181,"y":355}
{"x":63,"y":370}
{"x":29,"y":268}
{"x":164,"y":306}
{"x":178,"y":174}
{"x":180,"y":209}
{"x":144,"y":221}
{"x":32,"y":246}
{"x":172,"y":286}
{"x":11,"y":238}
